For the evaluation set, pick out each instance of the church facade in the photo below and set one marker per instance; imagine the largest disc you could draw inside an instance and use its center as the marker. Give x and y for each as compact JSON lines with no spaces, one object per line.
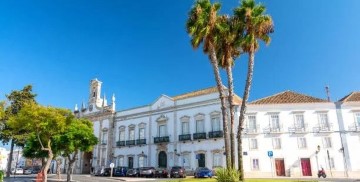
{"x":286,"y":134}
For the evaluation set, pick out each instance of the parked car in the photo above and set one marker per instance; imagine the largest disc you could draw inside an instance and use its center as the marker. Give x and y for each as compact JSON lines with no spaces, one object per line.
{"x":35,"y":169}
{"x":203,"y":172}
{"x":120,"y":171}
{"x":103,"y":172}
{"x":28,"y":171}
{"x":177,"y":171}
{"x":17,"y":171}
{"x":133,"y":172}
{"x":147,"y":171}
{"x":161,"y":173}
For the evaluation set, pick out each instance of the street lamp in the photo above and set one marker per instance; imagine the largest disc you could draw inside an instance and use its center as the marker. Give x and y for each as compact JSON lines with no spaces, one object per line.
{"x":316,"y":155}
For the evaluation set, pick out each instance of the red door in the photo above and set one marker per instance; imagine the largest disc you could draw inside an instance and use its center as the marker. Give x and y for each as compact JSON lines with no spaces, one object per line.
{"x":306,"y":167}
{"x":280,"y":167}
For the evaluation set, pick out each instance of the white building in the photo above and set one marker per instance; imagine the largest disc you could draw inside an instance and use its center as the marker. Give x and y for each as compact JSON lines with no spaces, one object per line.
{"x":303,"y":133}
{"x":3,"y":158}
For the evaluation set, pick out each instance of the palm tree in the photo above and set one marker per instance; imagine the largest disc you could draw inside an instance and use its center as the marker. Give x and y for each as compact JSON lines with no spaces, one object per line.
{"x":258,"y":26}
{"x":201,"y":27}
{"x":228,"y":44}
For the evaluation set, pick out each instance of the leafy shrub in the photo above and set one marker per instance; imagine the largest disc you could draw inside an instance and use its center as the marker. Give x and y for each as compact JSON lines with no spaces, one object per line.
{"x":1,"y":175}
{"x":227,"y":175}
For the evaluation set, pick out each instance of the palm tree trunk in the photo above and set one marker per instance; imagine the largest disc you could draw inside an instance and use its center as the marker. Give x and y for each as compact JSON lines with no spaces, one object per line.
{"x":243,"y":110}
{"x":232,"y":114}
{"x":10,"y":158}
{"x":220,"y":87}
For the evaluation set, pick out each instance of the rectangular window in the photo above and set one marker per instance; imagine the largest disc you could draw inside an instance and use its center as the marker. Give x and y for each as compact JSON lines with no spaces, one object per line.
{"x":200,"y":126}
{"x":302,"y":143}
{"x":275,"y":123}
{"x":327,"y":142}
{"x":323,"y":121}
{"x":131,"y":134}
{"x":95,"y":151}
{"x":253,"y":143}
{"x":217,"y":160}
{"x":104,"y":137}
{"x":142,"y":161}
{"x":215,"y":122}
{"x":162,"y":130}
{"x":357,"y":118}
{"x":121,"y":161}
{"x":186,"y":160}
{"x":276,"y":143}
{"x":255,"y":164}
{"x":252,"y":123}
{"x":122,"y":135}
{"x":299,"y":121}
{"x":141,"y":133}
{"x":185,"y":128}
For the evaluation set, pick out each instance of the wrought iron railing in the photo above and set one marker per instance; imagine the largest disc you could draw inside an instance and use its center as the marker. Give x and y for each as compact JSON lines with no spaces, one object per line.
{"x":120,"y":143}
{"x":216,"y":134}
{"x":162,"y":139}
{"x":130,"y":142}
{"x":197,"y":136}
{"x":184,"y":137}
{"x":140,"y":141}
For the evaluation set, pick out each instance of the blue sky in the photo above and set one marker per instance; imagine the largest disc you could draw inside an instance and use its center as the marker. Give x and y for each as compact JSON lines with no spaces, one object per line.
{"x":140,"y":49}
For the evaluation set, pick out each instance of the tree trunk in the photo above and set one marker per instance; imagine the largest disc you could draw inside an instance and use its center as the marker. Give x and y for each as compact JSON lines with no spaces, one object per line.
{"x":243,"y":110}
{"x":232,"y":114}
{"x":222,"y":96}
{"x":70,"y":166}
{"x":48,"y":161}
{"x":10,"y":159}
{"x":58,"y":170}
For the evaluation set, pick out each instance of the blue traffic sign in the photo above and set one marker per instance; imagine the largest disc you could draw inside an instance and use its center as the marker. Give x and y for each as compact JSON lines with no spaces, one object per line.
{"x":270,"y":153}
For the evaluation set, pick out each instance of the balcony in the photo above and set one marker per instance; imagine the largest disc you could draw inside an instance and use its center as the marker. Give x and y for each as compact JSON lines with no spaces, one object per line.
{"x":140,"y":141}
{"x":161,"y":139}
{"x":120,"y":143}
{"x":354,"y":127}
{"x":216,"y":134}
{"x":298,"y":129}
{"x":104,"y":142}
{"x":323,"y":128}
{"x":185,"y":137}
{"x":197,"y":136}
{"x":272,"y":129}
{"x":130,"y":142}
{"x":252,"y":130}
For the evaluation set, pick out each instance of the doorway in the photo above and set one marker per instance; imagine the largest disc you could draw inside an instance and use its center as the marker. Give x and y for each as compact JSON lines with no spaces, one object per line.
{"x":162,"y":160}
{"x":280,"y":167}
{"x":306,"y":167}
{"x":87,"y":156}
{"x":201,"y":160}
{"x":131,"y":162}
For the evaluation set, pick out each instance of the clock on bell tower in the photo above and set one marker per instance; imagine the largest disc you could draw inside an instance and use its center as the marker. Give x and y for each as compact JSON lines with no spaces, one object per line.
{"x":95,"y":93}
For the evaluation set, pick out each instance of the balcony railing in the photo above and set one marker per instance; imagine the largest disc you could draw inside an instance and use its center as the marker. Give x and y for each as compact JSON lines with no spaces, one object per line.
{"x":140,"y":141}
{"x":354,"y":127}
{"x":120,"y":143}
{"x":216,"y":134}
{"x":185,"y":137}
{"x":272,"y":129}
{"x":251,"y":130}
{"x":298,"y":129}
{"x":197,"y":136}
{"x":161,"y":139}
{"x":130,"y":142}
{"x":323,"y":128}
{"x":104,"y":142}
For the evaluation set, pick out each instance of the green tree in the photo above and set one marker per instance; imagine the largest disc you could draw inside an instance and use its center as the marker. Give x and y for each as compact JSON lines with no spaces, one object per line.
{"x":228,"y":49}
{"x":2,"y":112}
{"x":201,"y":26}
{"x":46,"y":123}
{"x":78,"y":136}
{"x":16,"y":100}
{"x":258,"y":26}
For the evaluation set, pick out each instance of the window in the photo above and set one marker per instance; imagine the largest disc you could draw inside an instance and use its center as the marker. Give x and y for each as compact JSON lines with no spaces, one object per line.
{"x":142,"y":161}
{"x":120,"y":161}
{"x":185,"y":128}
{"x":276,"y":143}
{"x":302,"y":143}
{"x":252,"y":122}
{"x":323,"y":121}
{"x":217,"y":160}
{"x":357,"y":118}
{"x":215,"y":123}
{"x":332,"y":163}
{"x":200,"y":126}
{"x":275,"y":124}
{"x":122,"y":134}
{"x":95,"y":151}
{"x":299,"y":121}
{"x":255,"y":164}
{"x":141,"y":133}
{"x":131,"y":133}
{"x":253,"y":143}
{"x":162,"y":130}
{"x":104,"y":137}
{"x":327,"y":142}
{"x":186,"y":160}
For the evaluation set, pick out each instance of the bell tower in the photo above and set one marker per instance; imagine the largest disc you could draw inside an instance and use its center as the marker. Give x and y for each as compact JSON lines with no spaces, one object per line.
{"x":95,"y":93}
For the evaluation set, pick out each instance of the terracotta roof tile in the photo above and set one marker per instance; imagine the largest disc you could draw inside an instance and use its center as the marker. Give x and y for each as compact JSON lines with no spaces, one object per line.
{"x":352,"y":97}
{"x":288,"y":97}
{"x":196,"y":93}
